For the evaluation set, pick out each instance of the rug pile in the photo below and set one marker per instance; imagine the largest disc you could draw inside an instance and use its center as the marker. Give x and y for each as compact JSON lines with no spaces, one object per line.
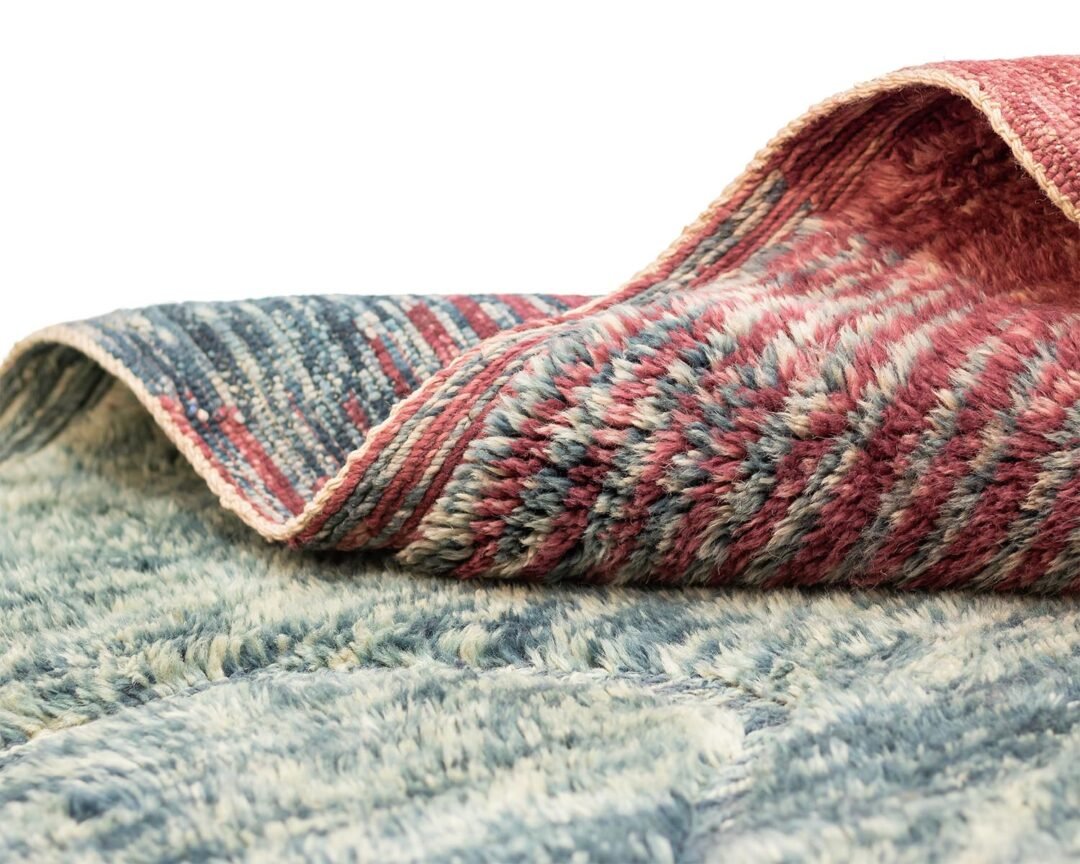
{"x":858,"y":371}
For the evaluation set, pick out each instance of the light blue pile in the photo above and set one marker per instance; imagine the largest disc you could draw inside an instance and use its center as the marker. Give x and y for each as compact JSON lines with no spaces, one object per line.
{"x":173,"y":688}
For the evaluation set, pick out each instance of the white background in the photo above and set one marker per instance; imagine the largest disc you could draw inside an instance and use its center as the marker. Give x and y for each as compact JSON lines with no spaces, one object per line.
{"x":152,"y":152}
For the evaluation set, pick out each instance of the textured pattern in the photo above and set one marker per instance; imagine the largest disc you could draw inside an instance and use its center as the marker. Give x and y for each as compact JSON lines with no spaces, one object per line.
{"x":172,"y":688}
{"x":860,"y":366}
{"x":275,"y":392}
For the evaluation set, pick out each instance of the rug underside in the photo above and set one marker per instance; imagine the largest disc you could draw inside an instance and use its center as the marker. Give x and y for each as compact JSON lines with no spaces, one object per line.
{"x":861,"y":366}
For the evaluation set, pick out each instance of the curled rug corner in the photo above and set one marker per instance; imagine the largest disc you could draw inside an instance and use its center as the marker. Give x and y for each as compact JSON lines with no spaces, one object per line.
{"x":860,"y":366}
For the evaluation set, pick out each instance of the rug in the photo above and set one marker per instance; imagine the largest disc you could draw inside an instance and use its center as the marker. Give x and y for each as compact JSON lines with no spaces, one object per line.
{"x":855,"y":373}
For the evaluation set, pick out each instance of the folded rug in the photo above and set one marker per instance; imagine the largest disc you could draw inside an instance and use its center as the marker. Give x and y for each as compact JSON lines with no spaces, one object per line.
{"x":861,"y":365}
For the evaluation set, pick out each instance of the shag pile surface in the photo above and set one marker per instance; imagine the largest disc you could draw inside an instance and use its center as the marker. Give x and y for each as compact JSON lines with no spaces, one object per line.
{"x":858,"y":371}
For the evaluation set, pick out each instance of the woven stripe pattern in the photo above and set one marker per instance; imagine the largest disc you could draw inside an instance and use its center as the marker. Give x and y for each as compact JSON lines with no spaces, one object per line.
{"x":273,"y":393}
{"x":861,"y":365}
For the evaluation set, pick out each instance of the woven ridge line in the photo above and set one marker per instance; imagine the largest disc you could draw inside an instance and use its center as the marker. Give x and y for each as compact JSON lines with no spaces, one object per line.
{"x":386,"y":344}
{"x":306,"y":524}
{"x":922,"y":75}
{"x":972,"y":91}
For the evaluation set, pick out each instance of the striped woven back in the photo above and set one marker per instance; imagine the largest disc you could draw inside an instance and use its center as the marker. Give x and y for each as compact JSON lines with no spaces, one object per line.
{"x":860,"y":365}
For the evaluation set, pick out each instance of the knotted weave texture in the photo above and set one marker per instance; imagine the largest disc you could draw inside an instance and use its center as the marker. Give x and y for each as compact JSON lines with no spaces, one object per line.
{"x":861,"y":365}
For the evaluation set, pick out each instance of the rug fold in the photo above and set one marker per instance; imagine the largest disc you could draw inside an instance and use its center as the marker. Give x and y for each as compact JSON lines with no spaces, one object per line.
{"x":860,"y":365}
